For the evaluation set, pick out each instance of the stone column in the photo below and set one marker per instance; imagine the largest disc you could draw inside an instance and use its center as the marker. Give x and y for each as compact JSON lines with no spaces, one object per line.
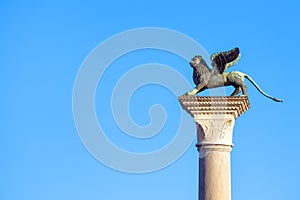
{"x":215,"y":118}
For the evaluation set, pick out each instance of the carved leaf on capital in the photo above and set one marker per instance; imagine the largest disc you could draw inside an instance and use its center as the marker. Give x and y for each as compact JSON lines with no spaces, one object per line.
{"x":205,"y":130}
{"x":214,"y":130}
{"x":200,"y":132}
{"x":227,"y":128}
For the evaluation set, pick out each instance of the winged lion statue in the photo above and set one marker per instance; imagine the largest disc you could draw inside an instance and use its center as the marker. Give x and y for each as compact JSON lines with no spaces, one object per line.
{"x":205,"y":78}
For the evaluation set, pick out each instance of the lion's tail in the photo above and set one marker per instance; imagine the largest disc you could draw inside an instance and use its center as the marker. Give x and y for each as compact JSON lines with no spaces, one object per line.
{"x":260,"y":90}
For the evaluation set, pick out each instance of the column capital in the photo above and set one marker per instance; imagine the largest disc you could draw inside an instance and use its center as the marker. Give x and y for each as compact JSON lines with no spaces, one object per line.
{"x":215,"y":119}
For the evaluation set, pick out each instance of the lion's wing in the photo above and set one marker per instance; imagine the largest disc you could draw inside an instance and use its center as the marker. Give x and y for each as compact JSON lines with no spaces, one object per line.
{"x":223,"y":60}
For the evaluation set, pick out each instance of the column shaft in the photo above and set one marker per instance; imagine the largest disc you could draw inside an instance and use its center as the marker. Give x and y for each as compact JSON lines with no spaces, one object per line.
{"x":214,"y":174}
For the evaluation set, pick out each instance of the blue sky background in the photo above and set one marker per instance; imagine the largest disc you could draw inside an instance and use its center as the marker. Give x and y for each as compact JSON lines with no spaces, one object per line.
{"x":43,"y":44}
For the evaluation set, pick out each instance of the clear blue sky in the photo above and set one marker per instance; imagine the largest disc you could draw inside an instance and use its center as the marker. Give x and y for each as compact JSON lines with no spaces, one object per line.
{"x":44,"y":43}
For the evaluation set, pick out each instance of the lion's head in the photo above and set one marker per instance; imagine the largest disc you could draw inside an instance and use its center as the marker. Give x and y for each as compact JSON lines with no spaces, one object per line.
{"x":195,"y":61}
{"x":198,"y":61}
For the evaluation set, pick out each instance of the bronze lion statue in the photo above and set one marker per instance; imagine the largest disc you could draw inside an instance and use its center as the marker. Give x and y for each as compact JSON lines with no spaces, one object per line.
{"x":205,"y":78}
